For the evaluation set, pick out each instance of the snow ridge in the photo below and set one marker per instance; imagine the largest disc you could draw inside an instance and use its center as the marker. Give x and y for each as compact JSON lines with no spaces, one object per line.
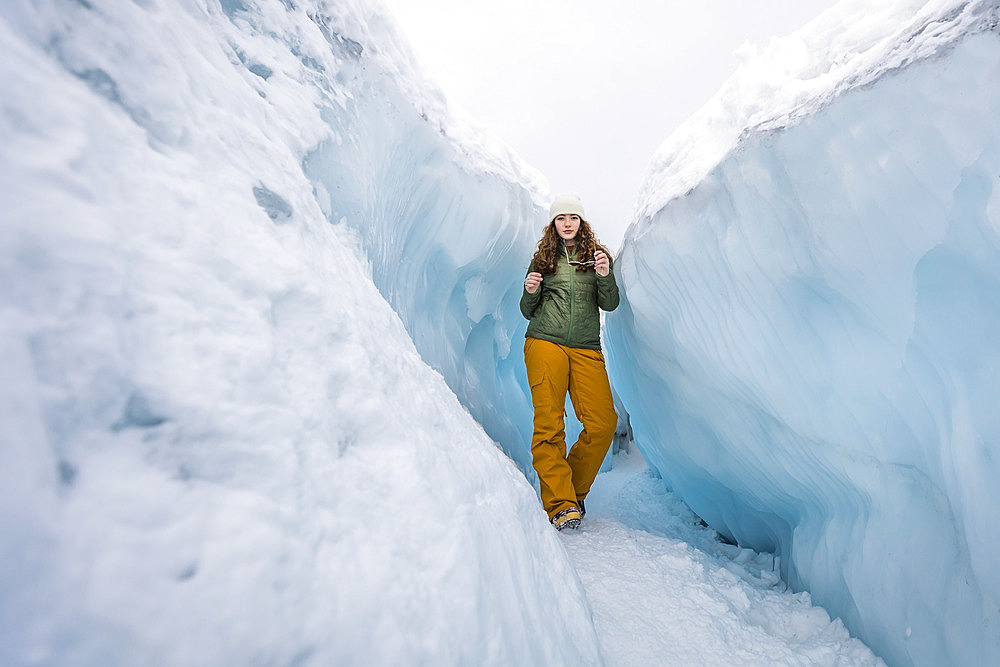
{"x":849,"y":46}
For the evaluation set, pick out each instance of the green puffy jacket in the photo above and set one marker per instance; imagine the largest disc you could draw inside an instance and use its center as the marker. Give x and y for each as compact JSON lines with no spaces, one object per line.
{"x":564,"y":309}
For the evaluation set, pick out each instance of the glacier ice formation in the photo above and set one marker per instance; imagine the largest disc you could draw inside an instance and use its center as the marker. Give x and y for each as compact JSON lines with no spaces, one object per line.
{"x":447,"y":217}
{"x":219,"y":443}
{"x":809,"y":343}
{"x":445,"y":223}
{"x":804,"y":350}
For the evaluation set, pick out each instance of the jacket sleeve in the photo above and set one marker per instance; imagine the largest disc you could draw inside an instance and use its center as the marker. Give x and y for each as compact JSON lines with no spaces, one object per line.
{"x":607,"y":290}
{"x":530,"y":301}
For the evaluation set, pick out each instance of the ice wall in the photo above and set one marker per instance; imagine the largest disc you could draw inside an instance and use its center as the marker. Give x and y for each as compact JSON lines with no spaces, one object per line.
{"x":809,"y":347}
{"x":447,"y":217}
{"x":218,"y":443}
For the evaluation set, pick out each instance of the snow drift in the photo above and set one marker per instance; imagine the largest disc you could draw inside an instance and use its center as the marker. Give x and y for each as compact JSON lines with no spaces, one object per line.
{"x":809,"y":344}
{"x":219,"y":444}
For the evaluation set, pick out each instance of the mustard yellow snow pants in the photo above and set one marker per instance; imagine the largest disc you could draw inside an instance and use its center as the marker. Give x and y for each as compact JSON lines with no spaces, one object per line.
{"x":552,"y":370}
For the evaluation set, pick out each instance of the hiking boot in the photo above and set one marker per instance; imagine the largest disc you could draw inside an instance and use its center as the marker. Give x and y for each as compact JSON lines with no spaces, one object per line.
{"x":583,"y":509}
{"x":568,"y":518}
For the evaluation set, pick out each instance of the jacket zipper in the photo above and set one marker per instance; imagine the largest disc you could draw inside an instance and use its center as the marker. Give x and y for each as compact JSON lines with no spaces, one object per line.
{"x":572,"y":298}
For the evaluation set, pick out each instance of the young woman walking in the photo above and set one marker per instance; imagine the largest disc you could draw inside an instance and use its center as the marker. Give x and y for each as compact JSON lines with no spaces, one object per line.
{"x":569,"y":279}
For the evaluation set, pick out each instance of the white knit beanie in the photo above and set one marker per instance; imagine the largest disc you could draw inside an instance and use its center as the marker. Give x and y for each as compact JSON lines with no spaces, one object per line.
{"x":566,"y":204}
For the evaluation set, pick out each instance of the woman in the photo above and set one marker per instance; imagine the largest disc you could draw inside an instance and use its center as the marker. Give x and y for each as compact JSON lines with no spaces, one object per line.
{"x":568,"y":280}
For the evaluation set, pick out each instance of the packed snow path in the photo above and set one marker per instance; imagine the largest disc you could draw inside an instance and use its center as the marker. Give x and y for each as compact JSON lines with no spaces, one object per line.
{"x":665,"y":591}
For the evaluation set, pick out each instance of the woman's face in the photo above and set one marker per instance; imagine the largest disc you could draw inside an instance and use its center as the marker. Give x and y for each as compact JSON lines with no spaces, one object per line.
{"x":567,"y":225}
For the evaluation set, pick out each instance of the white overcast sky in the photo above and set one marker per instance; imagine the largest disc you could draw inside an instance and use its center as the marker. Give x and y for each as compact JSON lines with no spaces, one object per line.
{"x":586,"y":90}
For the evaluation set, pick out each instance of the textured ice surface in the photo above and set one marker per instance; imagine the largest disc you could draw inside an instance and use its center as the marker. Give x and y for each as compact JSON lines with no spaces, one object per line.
{"x":447,"y":219}
{"x":218,"y":444}
{"x":809,"y":347}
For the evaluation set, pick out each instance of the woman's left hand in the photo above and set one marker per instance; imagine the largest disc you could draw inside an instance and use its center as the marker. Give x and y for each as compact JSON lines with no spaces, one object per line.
{"x":601,"y":263}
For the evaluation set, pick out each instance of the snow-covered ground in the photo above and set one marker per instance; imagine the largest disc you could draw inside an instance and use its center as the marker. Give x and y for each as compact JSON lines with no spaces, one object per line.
{"x":666,"y":591}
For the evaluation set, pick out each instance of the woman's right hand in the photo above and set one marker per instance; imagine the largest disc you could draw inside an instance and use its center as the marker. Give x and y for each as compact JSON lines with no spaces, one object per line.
{"x":532,"y":282}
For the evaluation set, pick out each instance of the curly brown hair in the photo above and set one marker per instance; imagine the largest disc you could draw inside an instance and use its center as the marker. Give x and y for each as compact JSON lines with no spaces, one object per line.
{"x":550,"y":248}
